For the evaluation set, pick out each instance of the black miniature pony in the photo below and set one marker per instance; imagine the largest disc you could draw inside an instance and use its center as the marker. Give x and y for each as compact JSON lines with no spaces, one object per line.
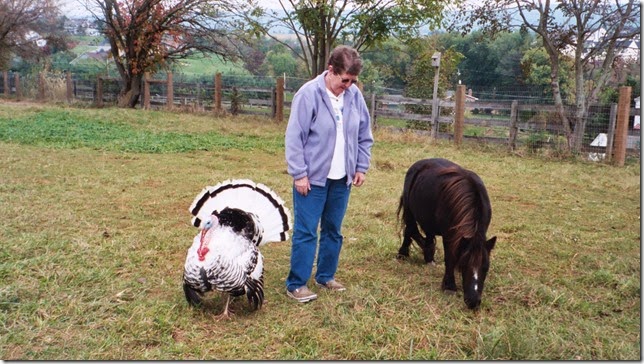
{"x":447,"y":200}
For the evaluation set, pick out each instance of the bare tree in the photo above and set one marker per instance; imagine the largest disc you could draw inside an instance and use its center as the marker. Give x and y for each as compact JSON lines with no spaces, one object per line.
{"x":23,"y":23}
{"x":146,"y":35}
{"x":319,"y":25}
{"x":588,"y":32}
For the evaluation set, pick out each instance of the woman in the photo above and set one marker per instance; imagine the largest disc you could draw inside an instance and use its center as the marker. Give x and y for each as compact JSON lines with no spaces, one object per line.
{"x":328,"y":149}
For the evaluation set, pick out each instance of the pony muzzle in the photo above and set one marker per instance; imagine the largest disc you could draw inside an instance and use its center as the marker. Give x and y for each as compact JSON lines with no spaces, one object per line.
{"x":473,"y":301}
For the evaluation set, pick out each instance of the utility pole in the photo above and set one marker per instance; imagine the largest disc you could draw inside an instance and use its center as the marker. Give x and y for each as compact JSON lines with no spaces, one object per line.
{"x":436,"y":63}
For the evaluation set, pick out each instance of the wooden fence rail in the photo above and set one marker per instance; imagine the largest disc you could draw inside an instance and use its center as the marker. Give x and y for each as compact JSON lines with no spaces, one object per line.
{"x":274,"y":103}
{"x":508,"y":115}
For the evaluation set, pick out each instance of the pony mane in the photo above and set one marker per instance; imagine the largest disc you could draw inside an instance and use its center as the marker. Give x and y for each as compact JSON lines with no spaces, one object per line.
{"x":462,"y":192}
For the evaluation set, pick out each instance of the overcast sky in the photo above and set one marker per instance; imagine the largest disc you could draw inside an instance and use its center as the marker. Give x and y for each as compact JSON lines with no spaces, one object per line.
{"x":73,"y":8}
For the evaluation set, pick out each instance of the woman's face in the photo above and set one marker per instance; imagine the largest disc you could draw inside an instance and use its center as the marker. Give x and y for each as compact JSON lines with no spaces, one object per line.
{"x":340,"y":82}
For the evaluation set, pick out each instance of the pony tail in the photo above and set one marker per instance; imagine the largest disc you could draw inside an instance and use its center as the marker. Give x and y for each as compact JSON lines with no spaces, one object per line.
{"x":400,"y":217}
{"x":401,"y":212}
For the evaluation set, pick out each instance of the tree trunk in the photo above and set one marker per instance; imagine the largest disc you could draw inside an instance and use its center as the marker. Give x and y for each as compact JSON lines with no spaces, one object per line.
{"x":556,"y":93}
{"x":581,"y":119}
{"x":580,"y":101}
{"x":130,"y":92}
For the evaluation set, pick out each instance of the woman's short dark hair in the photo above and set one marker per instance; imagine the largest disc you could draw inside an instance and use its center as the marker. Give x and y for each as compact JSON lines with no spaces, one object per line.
{"x":345,"y":59}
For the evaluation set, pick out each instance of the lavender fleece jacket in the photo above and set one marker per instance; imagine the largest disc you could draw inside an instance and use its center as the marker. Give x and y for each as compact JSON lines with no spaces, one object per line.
{"x":310,"y":134}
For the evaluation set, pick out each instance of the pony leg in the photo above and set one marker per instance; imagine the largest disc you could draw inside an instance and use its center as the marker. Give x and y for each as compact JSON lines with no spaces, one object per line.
{"x":403,"y":252}
{"x":449,"y":283}
{"x":429,"y":249}
{"x":411,"y":232}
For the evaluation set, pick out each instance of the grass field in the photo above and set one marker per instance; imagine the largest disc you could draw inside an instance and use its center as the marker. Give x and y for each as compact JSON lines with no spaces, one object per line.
{"x":194,"y":66}
{"x":95,"y":229}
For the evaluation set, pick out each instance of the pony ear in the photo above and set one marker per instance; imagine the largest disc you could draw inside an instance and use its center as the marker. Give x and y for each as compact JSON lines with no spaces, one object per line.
{"x":489,"y":245}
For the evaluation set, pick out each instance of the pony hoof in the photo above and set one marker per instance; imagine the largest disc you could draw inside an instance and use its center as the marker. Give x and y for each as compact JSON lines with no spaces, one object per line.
{"x":431,"y":264}
{"x":449,"y":292}
{"x":402,"y":256}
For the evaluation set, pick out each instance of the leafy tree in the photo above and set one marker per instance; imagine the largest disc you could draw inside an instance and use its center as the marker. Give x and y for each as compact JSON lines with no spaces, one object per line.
{"x":253,"y":58}
{"x":478,"y":65}
{"x":370,"y":77}
{"x":587,"y":31}
{"x":420,"y":77}
{"x":391,"y":59}
{"x":489,"y":62}
{"x":281,"y":62}
{"x":319,"y":25}
{"x":535,"y":66}
{"x":508,"y":50}
{"x":26,"y":23}
{"x":146,"y":35}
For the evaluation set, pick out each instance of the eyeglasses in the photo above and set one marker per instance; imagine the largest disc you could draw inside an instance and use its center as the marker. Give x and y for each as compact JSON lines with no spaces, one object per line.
{"x":346,"y":80}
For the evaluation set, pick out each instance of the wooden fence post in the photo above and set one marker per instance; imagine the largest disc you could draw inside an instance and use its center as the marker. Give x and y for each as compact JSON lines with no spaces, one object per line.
{"x":217,"y":106}
{"x":18,"y":89}
{"x":273,"y":102}
{"x":146,"y":91}
{"x":6,"y":85}
{"x":41,"y":86}
{"x":514,"y":129}
{"x":610,"y":136}
{"x":621,"y":133}
{"x":435,"y":101}
{"x":279,"y":99}
{"x":170,"y":92}
{"x":459,"y":114}
{"x":68,"y":81}
{"x":99,"y":91}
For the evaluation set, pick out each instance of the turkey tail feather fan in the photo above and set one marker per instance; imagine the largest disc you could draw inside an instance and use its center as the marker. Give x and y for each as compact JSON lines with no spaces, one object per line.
{"x":248,"y":196}
{"x":234,"y":218}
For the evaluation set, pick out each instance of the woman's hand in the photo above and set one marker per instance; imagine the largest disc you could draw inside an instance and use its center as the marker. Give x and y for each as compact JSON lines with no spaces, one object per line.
{"x":302,"y":186}
{"x":358,"y":179}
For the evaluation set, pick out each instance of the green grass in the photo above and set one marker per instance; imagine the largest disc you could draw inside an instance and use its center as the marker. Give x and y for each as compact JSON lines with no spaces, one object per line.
{"x":72,"y":129}
{"x":95,"y":230}
{"x":199,"y":65}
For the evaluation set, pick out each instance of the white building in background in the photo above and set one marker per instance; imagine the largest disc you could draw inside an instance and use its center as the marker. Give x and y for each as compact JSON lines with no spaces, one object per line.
{"x":628,"y":50}
{"x":32,"y":36}
{"x":636,"y":122}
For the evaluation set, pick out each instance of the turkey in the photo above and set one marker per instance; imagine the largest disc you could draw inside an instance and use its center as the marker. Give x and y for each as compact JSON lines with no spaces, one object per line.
{"x":234,"y":218}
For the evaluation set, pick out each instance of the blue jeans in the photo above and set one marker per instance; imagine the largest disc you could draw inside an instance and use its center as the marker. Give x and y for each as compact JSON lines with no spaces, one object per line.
{"x":325,"y":206}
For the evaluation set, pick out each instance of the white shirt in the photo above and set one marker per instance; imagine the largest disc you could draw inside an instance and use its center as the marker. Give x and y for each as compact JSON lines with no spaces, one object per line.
{"x":338,"y":169}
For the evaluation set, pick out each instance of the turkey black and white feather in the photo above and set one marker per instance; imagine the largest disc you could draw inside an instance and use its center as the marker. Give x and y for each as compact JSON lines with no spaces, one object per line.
{"x":234,"y":219}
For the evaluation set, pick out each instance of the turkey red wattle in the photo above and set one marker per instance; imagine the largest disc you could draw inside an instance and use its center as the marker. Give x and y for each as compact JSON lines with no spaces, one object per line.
{"x":203,"y":250}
